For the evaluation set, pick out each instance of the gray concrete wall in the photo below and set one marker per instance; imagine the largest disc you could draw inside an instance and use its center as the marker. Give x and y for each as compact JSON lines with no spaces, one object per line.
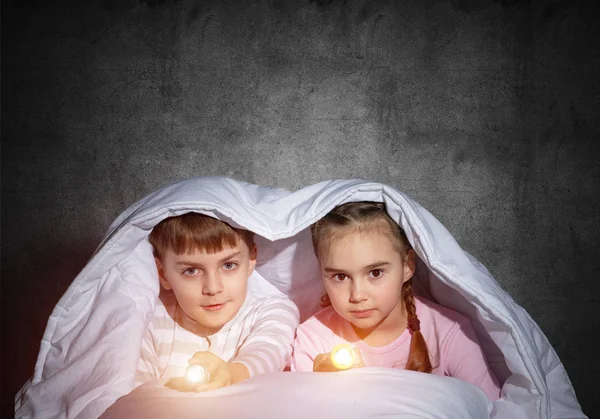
{"x":485,"y":112}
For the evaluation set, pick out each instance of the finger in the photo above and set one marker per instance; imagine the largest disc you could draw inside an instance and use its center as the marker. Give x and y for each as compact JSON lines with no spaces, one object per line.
{"x":179,"y":384}
{"x":319,"y":359}
{"x":358,"y":361}
{"x":325,"y":368}
{"x":208,"y":360}
{"x":213,"y":385}
{"x":324,"y":364}
{"x":356,"y":356}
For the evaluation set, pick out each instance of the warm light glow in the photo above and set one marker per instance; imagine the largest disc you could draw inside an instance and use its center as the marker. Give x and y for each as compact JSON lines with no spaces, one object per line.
{"x":342,"y":357}
{"x":196,"y":374}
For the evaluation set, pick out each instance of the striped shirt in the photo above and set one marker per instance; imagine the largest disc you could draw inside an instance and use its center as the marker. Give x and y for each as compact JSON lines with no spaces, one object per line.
{"x":259,"y":336}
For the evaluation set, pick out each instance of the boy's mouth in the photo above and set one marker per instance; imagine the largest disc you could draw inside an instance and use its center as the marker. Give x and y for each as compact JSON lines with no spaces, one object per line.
{"x":213,"y":307}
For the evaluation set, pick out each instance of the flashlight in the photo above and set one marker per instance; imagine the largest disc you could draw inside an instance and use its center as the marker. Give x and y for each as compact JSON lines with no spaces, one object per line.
{"x":196,"y":374}
{"x":342,"y":357}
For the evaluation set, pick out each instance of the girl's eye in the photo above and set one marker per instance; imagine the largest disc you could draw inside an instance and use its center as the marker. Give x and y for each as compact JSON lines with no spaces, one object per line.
{"x":376,"y":273}
{"x":230,"y":266}
{"x":191,"y":271}
{"x":339,"y":277}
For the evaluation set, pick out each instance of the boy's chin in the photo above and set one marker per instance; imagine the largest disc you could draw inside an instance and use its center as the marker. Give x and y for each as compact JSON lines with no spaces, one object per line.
{"x":217,"y":320}
{"x":204,"y":327}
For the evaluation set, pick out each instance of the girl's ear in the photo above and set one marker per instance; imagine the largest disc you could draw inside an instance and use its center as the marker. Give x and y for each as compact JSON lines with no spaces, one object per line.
{"x":161,"y":274}
{"x":409,"y":265}
{"x":252,"y":262}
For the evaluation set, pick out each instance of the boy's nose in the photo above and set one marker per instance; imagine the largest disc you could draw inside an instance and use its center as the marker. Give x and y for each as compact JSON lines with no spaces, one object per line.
{"x":213,"y":285}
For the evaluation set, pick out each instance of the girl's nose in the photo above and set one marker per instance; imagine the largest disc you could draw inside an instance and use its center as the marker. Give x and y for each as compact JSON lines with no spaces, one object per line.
{"x":357,"y":292}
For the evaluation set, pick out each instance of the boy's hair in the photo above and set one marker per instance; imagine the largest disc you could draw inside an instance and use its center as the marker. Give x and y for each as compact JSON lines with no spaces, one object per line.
{"x":196,"y":232}
{"x":370,"y":217}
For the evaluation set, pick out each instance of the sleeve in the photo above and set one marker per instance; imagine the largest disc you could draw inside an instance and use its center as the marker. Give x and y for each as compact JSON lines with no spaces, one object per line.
{"x":269,"y":344}
{"x":466,"y":360}
{"x":305,"y":351}
{"x":147,"y":369}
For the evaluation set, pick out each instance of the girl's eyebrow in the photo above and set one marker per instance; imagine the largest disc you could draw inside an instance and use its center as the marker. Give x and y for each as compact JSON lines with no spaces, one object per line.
{"x":379,"y":264}
{"x":332,"y":270}
{"x":376,"y":265}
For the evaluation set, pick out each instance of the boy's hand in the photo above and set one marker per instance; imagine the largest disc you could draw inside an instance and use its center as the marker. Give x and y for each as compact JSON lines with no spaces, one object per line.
{"x":323,"y":362}
{"x":222,"y":373}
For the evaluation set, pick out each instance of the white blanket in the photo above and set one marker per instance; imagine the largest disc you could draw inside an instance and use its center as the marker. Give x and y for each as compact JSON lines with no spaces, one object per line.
{"x":90,"y":348}
{"x":356,"y":394}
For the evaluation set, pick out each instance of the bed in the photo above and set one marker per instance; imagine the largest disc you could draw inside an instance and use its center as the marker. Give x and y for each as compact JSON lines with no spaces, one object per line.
{"x":89,"y":351}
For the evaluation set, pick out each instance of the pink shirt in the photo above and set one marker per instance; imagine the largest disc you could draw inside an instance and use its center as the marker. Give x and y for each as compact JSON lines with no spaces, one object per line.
{"x":453,"y":346}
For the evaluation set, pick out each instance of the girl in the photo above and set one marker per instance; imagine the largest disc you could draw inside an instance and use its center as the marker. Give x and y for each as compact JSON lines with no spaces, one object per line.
{"x":367,"y":264}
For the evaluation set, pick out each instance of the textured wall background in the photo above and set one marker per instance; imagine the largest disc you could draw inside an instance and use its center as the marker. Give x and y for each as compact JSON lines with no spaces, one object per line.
{"x":485,"y":112}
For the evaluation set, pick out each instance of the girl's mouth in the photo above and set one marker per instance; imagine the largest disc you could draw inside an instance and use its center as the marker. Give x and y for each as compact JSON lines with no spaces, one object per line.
{"x":362,"y":314}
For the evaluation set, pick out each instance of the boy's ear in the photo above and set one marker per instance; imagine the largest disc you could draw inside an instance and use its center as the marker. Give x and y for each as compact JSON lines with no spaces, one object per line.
{"x":161,"y":274}
{"x":409,"y":265}
{"x":252,"y":262}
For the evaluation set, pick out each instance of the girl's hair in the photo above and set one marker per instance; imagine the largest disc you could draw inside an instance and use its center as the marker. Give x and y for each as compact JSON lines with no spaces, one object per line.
{"x":196,"y":232}
{"x":372,"y":217}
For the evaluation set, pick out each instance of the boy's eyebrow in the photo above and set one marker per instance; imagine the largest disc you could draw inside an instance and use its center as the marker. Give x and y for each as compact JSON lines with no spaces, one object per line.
{"x":366,"y":268}
{"x":230,"y":256}
{"x":192,"y":263}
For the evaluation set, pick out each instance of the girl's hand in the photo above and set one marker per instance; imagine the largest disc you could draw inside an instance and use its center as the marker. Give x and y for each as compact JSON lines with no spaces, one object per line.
{"x":222,"y":374}
{"x":323,"y":362}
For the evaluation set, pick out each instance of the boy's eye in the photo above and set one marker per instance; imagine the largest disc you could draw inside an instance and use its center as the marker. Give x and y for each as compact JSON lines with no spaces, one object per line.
{"x":230,"y":266}
{"x":191,"y":271}
{"x":376,"y":273}
{"x":339,"y":277}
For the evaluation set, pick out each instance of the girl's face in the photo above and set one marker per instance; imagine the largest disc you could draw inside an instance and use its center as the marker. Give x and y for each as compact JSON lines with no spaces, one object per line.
{"x":363,"y":274}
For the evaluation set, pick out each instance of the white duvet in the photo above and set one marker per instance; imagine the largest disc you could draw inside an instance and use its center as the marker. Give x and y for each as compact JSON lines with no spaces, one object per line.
{"x":90,"y":348}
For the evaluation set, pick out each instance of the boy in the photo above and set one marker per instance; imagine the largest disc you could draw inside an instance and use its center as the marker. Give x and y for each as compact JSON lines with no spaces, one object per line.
{"x":205,"y":314}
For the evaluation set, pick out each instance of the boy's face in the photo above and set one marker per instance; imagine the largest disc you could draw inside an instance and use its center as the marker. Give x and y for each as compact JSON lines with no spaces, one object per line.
{"x":210,"y":287}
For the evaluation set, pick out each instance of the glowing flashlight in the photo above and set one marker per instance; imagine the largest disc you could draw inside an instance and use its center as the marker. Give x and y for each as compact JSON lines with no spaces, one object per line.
{"x":342,"y":357}
{"x":196,"y":374}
